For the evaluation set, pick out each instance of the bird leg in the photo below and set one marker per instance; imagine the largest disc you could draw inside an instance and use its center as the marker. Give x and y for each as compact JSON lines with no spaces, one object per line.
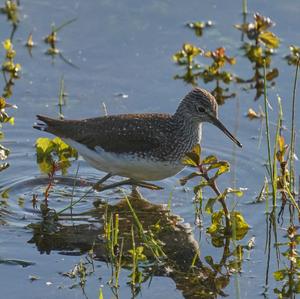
{"x":129,"y":182}
{"x":145,"y":185}
{"x":97,"y":186}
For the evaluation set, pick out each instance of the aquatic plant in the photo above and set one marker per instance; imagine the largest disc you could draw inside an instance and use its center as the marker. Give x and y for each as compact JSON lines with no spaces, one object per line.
{"x":210,"y":73}
{"x":10,"y":68}
{"x":53,"y":155}
{"x":204,"y":169}
{"x":186,"y":57}
{"x":281,"y":173}
{"x":51,"y":38}
{"x":215,"y":73}
{"x":11,"y":10}
{"x":293,"y":57}
{"x":259,"y":48}
{"x":199,"y":26}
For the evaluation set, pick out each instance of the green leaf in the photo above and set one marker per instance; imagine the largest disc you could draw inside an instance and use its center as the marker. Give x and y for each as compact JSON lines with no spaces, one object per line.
{"x":297,"y":287}
{"x":192,"y":158}
{"x":191,"y":50}
{"x":209,"y":260}
{"x":101,"y":294}
{"x":177,"y":57}
{"x":224,"y":168}
{"x":2,"y":103}
{"x":270,"y":39}
{"x":274,"y":73}
{"x":209,"y":159}
{"x":61,"y":145}
{"x":216,"y":220}
{"x":209,"y":205}
{"x":184,"y":180}
{"x":280,"y":274}
{"x":241,"y":225}
{"x":44,"y":144}
{"x":200,"y":186}
{"x":238,"y":192}
{"x":218,"y":164}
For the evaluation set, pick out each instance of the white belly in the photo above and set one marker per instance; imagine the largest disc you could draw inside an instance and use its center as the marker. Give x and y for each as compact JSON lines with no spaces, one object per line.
{"x":126,"y":165}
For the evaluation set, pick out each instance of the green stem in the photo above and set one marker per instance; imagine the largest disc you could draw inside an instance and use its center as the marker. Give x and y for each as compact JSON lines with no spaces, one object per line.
{"x":292,"y":151}
{"x":245,"y":9}
{"x":270,"y":170}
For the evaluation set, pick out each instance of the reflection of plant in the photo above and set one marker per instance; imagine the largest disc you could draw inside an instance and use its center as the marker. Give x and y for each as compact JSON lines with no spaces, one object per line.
{"x":294,"y":56}
{"x":290,"y":274}
{"x":260,"y":47}
{"x":137,"y":255}
{"x":81,"y":271}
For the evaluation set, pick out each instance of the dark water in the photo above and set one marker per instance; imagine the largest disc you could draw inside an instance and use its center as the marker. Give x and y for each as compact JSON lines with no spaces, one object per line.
{"x":126,"y":47}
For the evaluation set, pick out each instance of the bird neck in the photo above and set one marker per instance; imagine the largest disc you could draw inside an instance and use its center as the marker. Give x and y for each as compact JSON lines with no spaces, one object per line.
{"x":187,"y":131}
{"x":182,"y":120}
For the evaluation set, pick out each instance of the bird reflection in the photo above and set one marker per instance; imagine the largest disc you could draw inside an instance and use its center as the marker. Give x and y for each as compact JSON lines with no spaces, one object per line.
{"x":182,"y":263}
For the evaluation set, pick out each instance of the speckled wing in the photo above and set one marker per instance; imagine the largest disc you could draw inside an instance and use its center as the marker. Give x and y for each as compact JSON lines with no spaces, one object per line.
{"x":128,"y":133}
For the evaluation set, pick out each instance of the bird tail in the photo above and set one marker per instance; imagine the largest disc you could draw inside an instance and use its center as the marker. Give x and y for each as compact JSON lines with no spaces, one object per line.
{"x":47,"y":124}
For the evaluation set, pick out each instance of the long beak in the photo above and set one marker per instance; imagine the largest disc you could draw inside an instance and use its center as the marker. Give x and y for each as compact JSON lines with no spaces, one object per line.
{"x":218,"y":124}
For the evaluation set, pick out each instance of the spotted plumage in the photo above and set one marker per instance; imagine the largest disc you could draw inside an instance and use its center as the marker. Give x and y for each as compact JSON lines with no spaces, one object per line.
{"x":139,"y":146}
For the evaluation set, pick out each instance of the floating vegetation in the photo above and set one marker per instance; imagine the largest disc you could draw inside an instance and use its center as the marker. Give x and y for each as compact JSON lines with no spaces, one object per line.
{"x":51,"y":39}
{"x":215,"y":73}
{"x":11,"y":10}
{"x":4,"y":152}
{"x":4,"y":118}
{"x":258,"y":49}
{"x":30,"y":44}
{"x":211,"y":73}
{"x":199,"y":27}
{"x":10,"y":71}
{"x":252,"y":114}
{"x":186,"y":58}
{"x":10,"y":68}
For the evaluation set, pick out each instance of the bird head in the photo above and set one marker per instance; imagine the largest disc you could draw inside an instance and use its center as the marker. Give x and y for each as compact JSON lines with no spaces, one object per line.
{"x":201,"y":106}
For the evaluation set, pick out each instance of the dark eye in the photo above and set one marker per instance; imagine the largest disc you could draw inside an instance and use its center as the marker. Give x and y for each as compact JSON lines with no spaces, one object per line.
{"x":201,"y":109}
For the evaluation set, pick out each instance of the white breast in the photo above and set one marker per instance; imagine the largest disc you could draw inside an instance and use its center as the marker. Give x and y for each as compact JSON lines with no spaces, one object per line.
{"x":126,"y":165}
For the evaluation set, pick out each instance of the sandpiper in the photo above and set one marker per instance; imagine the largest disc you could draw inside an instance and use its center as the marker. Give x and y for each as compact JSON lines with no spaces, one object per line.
{"x":141,"y":147}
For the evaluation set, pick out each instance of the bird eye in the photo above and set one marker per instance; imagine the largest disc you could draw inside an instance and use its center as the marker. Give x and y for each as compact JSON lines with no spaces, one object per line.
{"x":200,"y":109}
